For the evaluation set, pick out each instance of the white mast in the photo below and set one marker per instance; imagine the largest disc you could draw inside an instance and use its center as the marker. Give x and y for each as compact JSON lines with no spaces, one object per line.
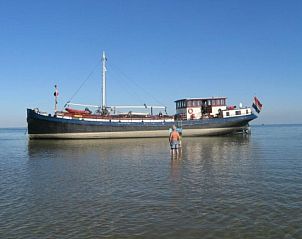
{"x":104,"y":81}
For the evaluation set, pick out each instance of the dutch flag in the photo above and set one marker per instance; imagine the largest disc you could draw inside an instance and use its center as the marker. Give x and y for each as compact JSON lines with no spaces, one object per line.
{"x":257,"y":105}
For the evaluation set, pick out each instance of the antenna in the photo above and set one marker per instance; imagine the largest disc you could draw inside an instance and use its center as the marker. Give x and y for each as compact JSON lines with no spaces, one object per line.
{"x":104,"y":81}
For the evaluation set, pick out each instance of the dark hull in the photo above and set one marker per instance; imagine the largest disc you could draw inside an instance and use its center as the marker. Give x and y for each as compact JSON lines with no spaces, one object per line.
{"x":41,"y":126}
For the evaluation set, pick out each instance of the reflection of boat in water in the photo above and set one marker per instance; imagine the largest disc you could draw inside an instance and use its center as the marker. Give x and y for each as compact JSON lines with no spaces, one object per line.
{"x":196,"y":117}
{"x":101,"y":147}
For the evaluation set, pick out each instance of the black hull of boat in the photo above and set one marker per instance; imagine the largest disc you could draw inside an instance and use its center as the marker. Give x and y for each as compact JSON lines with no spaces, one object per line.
{"x":43,"y":126}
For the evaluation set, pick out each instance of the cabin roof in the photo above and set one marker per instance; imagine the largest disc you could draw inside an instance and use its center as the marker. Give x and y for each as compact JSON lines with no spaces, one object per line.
{"x":208,"y":98}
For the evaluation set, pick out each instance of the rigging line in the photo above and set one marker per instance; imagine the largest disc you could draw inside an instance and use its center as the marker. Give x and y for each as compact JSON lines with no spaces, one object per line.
{"x":136,"y":84}
{"x":126,"y":88}
{"x":83,"y":83}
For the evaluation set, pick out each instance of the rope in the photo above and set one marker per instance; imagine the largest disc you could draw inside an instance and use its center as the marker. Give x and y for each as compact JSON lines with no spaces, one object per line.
{"x":135,"y":83}
{"x":126,"y":88}
{"x":83,"y":83}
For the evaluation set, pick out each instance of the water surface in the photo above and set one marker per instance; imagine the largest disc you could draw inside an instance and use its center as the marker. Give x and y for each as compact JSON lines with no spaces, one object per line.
{"x":220,"y":187}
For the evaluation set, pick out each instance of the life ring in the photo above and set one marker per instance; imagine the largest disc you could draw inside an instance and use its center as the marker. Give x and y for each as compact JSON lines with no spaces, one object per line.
{"x":190,"y":111}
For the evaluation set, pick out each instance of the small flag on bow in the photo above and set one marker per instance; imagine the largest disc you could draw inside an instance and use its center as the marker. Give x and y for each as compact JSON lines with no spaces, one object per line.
{"x":257,"y":105}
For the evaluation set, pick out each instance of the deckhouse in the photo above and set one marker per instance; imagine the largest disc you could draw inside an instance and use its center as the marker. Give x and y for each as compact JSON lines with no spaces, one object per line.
{"x":214,"y":107}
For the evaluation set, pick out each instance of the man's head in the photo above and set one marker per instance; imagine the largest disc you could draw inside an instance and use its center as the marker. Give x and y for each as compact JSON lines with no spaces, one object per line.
{"x":174,"y":127}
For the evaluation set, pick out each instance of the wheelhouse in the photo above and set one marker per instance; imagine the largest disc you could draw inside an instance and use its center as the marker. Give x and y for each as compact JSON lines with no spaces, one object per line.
{"x":199,"y":108}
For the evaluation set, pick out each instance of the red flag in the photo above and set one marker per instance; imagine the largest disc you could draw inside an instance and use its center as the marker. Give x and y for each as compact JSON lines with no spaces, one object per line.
{"x":257,"y":102}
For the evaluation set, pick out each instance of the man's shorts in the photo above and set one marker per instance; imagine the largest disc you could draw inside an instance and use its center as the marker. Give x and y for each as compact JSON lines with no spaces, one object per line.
{"x":174,"y":145}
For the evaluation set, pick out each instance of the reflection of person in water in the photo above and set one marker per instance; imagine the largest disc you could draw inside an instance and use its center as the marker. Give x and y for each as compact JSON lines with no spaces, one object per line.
{"x":174,"y":140}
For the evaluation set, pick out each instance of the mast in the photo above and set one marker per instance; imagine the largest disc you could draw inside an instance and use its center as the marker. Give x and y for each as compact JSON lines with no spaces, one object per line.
{"x":104,"y":81}
{"x":56,"y":93}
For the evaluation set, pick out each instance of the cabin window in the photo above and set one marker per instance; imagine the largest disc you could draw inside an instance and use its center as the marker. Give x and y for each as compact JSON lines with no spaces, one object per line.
{"x":227,"y":113}
{"x":213,"y":102}
{"x":238,"y":112}
{"x":223,"y":101}
{"x":209,"y":102}
{"x":189,"y":103}
{"x":195,"y":103}
{"x":247,"y":111}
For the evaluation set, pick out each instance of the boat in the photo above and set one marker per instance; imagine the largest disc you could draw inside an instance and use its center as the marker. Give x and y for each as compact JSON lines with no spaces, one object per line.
{"x":194,"y":117}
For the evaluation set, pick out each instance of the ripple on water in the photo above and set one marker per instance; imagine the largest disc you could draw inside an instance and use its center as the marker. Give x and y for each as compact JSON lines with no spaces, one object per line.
{"x":220,"y":187}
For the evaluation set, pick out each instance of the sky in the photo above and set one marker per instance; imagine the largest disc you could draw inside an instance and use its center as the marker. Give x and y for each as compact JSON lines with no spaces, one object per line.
{"x":158,"y":51}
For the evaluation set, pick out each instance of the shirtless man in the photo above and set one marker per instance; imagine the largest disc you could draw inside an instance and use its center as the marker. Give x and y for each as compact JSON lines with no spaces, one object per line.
{"x":174,"y":140}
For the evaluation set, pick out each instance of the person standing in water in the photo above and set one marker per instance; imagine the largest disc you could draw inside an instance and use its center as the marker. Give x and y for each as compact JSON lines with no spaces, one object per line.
{"x":174,"y":140}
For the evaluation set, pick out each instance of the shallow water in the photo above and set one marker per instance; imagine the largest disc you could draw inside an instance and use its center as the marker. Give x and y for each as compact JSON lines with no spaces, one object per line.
{"x":219,"y":187}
